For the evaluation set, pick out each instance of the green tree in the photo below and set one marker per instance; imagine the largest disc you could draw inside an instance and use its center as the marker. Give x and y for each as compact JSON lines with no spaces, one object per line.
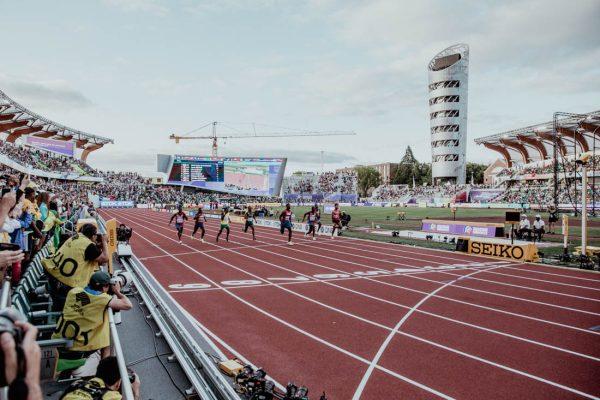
{"x":404,"y":174}
{"x":476,"y":170}
{"x":409,"y":157}
{"x":424,"y":175}
{"x":368,"y":177}
{"x":409,"y":167}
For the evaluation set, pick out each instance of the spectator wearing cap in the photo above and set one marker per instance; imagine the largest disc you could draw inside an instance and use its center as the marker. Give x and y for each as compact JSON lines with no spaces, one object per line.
{"x":85,"y":321}
{"x":538,"y":227}
{"x":524,"y":227}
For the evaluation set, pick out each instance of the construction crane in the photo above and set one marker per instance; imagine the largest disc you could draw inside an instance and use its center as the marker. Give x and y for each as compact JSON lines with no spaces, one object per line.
{"x":214,"y":137}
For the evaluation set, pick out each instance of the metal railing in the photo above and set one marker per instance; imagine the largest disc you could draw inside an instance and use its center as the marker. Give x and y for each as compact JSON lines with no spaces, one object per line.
{"x":126,"y":388}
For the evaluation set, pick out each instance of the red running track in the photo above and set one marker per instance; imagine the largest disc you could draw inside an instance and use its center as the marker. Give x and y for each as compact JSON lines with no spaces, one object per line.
{"x":371,"y":320}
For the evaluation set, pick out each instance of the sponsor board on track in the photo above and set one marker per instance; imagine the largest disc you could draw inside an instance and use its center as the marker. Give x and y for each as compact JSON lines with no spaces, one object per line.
{"x":520,"y":252}
{"x":333,"y":276}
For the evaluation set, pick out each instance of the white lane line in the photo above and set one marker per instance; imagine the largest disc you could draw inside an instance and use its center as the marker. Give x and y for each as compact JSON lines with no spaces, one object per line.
{"x":402,"y":287}
{"x":510,"y":369}
{"x":226,"y":346}
{"x":394,"y":248}
{"x":291,"y":326}
{"x":375,"y":361}
{"x":437,"y":262}
{"x":337,"y":244}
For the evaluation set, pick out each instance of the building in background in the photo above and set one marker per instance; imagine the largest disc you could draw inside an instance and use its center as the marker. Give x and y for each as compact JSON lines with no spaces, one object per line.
{"x":386,"y":171}
{"x":448,"y":89}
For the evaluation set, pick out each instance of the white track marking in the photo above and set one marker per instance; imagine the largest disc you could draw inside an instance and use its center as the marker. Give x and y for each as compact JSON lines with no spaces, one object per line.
{"x":436,"y":262}
{"x":370,"y":245}
{"x":294,"y":327}
{"x":375,"y":361}
{"x":513,"y":370}
{"x":445,"y":272}
{"x":338,"y":244}
{"x":225,"y":345}
{"x":587,"y":331}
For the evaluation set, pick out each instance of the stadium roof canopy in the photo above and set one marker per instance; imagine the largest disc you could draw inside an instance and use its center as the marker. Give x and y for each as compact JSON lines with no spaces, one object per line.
{"x":17,"y":121}
{"x":574,"y":133}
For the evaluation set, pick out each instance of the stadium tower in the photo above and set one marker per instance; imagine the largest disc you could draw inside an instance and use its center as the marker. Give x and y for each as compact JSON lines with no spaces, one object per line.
{"x":448,"y":85}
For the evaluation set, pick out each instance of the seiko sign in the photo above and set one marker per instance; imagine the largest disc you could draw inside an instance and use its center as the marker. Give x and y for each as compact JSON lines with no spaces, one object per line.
{"x":526,"y":252}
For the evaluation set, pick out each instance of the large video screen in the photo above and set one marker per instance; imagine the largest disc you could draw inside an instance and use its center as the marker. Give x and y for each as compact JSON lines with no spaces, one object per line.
{"x":247,"y":176}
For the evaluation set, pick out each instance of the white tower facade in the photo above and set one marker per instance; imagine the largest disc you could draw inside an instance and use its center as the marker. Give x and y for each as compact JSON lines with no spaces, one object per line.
{"x":448,"y":89}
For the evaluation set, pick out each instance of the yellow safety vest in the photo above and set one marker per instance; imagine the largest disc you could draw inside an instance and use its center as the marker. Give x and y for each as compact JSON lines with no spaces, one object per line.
{"x":84,"y":320}
{"x":86,"y":390}
{"x":68,"y":263}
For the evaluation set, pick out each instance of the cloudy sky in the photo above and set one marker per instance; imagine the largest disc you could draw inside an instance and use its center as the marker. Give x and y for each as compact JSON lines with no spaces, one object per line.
{"x":139,"y":70}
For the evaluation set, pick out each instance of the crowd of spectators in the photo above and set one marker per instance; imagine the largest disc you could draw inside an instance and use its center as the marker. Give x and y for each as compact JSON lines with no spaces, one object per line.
{"x":341,"y":182}
{"x":541,"y":169}
{"x":33,"y":212}
{"x":418,"y":193}
{"x":44,"y":160}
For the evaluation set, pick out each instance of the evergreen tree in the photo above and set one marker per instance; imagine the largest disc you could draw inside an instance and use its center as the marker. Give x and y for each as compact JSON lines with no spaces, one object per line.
{"x":409,"y":157}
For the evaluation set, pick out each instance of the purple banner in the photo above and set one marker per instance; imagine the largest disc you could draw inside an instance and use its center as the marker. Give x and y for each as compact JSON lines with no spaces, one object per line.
{"x":459,"y":229}
{"x":63,"y":147}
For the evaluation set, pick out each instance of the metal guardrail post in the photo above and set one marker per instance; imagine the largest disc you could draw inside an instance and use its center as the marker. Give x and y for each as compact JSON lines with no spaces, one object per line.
{"x":116,"y":345}
{"x":5,"y":296}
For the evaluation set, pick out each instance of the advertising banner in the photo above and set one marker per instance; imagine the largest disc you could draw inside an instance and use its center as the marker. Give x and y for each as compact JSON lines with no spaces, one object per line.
{"x":63,"y":147}
{"x":116,"y":204}
{"x":459,"y":228}
{"x":526,"y":252}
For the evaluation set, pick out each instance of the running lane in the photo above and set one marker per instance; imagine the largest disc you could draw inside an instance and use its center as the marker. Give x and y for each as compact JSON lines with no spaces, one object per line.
{"x":331,"y":297}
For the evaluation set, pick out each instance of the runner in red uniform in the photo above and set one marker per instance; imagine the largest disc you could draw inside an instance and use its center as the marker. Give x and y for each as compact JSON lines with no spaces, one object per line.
{"x":336,"y":219}
{"x":286,"y":222}
{"x":180,"y":217}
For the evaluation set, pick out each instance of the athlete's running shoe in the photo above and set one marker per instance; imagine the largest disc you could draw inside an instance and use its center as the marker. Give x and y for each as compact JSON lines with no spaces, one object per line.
{"x":290,"y":243}
{"x":180,"y":242}
{"x":202,"y":240}
{"x":314,"y":238}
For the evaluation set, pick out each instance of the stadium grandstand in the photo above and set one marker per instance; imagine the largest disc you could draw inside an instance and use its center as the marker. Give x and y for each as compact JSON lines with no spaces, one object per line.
{"x":221,"y":278}
{"x":17,"y":122}
{"x":313,"y":188}
{"x":538,"y":161}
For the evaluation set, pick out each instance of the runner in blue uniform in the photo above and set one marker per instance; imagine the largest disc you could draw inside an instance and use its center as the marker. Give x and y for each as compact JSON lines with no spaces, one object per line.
{"x":199,"y":219}
{"x":311,"y":218}
{"x":286,"y":222}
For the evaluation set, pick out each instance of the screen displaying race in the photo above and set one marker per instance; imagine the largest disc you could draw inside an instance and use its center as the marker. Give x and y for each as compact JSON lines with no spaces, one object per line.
{"x":248,"y":176}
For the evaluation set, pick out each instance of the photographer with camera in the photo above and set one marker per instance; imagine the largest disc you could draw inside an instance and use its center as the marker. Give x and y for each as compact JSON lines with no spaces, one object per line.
{"x":74,"y":262}
{"x":105,"y":385}
{"x":21,"y":357}
{"x":85,"y":321}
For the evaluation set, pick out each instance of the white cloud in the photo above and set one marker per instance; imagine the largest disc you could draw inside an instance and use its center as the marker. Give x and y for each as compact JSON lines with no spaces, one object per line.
{"x":47,"y":94}
{"x":546,"y":46}
{"x":155,"y":7}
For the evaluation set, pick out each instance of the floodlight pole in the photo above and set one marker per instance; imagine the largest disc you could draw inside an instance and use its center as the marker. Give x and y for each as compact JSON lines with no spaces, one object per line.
{"x":555,"y":155}
{"x":584,"y":209}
